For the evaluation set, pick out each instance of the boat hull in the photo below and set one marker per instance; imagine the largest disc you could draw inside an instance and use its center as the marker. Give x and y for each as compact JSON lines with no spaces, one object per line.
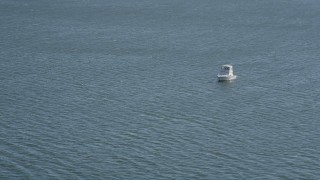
{"x":226,"y":78}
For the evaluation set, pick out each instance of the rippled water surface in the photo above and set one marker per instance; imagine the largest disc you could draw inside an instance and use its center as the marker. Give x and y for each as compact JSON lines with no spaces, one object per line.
{"x":107,"y":89}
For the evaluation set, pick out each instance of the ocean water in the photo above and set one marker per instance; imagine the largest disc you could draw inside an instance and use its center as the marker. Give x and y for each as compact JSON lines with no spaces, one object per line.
{"x":123,"y":89}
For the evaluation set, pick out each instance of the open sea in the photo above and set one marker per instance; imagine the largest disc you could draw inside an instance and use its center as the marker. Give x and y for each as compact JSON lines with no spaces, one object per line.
{"x":127,"y":89}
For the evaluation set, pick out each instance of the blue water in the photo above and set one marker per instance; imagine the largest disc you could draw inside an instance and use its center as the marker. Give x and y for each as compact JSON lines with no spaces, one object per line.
{"x":109,"y":89}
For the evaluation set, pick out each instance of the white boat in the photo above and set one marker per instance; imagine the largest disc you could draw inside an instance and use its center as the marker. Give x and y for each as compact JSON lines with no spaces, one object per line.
{"x":226,"y":73}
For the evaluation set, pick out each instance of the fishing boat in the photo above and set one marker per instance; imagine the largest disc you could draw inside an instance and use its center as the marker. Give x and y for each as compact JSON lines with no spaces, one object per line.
{"x":226,"y":73}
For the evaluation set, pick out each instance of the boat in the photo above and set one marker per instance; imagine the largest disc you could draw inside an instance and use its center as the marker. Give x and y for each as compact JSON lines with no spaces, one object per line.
{"x":226,"y":73}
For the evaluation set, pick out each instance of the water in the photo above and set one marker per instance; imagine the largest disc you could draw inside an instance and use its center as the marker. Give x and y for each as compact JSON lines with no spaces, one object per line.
{"x":128,"y":90}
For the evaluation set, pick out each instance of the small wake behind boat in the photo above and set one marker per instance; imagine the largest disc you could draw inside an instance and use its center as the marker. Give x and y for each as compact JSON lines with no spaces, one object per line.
{"x":226,"y":73}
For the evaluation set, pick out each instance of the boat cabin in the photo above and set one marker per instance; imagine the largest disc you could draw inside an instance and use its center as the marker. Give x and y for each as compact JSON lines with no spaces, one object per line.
{"x":226,"y":70}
